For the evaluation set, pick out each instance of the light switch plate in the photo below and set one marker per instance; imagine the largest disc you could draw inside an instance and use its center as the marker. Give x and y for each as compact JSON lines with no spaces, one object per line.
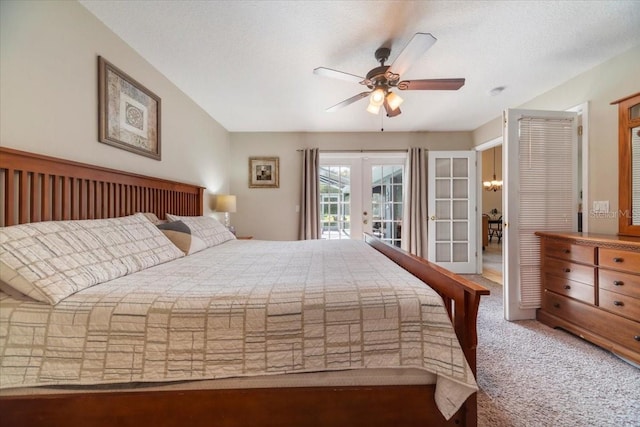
{"x":601,"y":206}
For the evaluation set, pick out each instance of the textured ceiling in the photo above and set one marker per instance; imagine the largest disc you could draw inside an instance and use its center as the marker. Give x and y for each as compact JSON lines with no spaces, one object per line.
{"x":250,"y":64}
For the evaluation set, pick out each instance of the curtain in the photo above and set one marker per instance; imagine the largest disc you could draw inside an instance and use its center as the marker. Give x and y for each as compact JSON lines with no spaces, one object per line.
{"x":414,"y":218}
{"x":310,"y":197}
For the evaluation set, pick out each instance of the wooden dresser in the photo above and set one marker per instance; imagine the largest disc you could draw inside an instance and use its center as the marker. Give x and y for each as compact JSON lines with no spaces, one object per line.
{"x":591,"y":287}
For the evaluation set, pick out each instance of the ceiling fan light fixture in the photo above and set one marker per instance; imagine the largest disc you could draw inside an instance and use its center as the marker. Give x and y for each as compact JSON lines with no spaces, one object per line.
{"x":382,"y":79}
{"x":377,"y":97}
{"x":373,"y":109}
{"x":394,"y":101}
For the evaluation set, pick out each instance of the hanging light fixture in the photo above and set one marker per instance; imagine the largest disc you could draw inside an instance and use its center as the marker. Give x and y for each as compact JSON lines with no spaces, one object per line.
{"x":494,"y":184}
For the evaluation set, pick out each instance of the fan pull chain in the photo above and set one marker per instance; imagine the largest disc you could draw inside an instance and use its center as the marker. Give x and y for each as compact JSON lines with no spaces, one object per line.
{"x":381,"y":125}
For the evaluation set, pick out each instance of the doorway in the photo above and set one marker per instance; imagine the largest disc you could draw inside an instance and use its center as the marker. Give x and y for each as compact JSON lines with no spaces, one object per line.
{"x":490,"y":207}
{"x":362,"y":193}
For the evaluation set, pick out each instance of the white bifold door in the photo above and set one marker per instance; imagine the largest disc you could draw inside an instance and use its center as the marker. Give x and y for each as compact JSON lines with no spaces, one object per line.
{"x":540,"y":157}
{"x":451,"y":204}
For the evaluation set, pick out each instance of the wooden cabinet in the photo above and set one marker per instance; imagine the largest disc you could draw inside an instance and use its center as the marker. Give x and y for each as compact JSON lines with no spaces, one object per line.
{"x":591,"y":287}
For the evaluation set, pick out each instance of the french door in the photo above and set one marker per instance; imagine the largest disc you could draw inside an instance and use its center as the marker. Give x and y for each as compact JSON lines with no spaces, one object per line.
{"x":362,"y":192}
{"x":451,"y":203}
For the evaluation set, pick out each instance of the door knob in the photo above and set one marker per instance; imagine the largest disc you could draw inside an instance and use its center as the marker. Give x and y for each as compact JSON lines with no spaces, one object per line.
{"x":364,"y":221}
{"x":433,"y":217}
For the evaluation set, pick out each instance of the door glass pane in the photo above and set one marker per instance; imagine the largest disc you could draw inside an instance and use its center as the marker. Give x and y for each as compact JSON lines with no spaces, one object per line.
{"x":460,"y":168}
{"x":443,"y":168}
{"x":443,"y":231}
{"x":443,"y":188}
{"x":335,"y":195}
{"x":460,"y":210}
{"x":460,"y":188}
{"x":461,"y":231}
{"x":443,"y":209}
{"x":443,"y":252}
{"x":460,"y":252}
{"x":386,"y":202}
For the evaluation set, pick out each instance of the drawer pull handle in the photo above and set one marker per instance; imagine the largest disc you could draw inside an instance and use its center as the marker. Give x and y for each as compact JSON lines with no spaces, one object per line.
{"x":618,"y":283}
{"x":567,"y":270}
{"x":567,"y":251}
{"x":637,"y":338}
{"x":618,"y":303}
{"x":556,"y":304}
{"x":617,"y":259}
{"x":567,"y":287}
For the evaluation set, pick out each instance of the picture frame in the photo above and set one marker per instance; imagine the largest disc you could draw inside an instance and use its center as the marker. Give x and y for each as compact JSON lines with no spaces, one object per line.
{"x":129,"y":113}
{"x":264,"y":172}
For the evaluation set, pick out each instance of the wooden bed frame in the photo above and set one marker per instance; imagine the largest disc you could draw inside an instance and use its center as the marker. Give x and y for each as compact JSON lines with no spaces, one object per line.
{"x":39,"y":188}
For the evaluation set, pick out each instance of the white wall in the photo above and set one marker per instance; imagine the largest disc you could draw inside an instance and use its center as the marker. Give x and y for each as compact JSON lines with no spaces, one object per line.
{"x":270,"y":214}
{"x":49,"y":101}
{"x":610,"y":81}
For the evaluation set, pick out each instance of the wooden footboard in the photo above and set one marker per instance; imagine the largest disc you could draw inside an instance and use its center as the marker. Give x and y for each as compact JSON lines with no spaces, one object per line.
{"x":461,"y":297}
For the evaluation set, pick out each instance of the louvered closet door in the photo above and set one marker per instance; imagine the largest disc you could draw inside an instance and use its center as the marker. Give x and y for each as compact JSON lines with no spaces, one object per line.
{"x":541,"y":194}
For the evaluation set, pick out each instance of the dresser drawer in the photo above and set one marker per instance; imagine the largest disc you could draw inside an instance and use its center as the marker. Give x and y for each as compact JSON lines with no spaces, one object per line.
{"x":622,"y":283}
{"x":569,"y":270}
{"x":619,"y":259}
{"x":619,"y":304}
{"x":570,"y":288}
{"x":570,"y":252}
{"x":622,"y":331}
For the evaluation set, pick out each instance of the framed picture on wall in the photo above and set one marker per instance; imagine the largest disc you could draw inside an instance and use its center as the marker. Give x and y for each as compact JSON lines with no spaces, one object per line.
{"x":264,"y":172}
{"x":129,"y":113}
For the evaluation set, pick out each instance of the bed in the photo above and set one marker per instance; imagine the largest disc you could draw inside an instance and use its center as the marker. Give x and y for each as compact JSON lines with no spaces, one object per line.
{"x":313,"y":359}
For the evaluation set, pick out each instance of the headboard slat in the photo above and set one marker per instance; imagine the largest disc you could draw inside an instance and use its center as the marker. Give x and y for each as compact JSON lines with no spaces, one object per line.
{"x":42,"y":188}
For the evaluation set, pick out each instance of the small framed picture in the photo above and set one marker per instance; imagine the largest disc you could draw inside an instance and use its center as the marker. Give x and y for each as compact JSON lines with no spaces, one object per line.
{"x":129,"y":112}
{"x":263,"y":172}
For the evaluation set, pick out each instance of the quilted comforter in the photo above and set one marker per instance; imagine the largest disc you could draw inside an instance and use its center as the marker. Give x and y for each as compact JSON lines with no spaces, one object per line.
{"x":241,"y":308}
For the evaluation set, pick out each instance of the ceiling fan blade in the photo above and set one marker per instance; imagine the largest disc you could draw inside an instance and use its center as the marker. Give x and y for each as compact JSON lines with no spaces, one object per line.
{"x":348,"y":102}
{"x":417,"y":46}
{"x":431,"y":84}
{"x":328,"y":72}
{"x":390,"y":112}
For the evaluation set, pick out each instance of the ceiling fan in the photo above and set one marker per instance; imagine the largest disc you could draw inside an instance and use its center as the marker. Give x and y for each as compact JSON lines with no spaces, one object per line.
{"x":382,"y":79}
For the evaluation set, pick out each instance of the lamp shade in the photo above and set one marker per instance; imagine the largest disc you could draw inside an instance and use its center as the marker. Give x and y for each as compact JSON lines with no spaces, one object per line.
{"x":373,"y":109}
{"x":225,"y":203}
{"x":377,"y":97}
{"x":393,"y":100}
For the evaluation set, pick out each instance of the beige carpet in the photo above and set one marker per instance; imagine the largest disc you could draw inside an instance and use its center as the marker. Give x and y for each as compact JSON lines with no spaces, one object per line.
{"x":535,"y":376}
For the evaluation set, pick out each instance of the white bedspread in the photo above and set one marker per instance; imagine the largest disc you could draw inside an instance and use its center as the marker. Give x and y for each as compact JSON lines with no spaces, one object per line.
{"x":242,"y":308}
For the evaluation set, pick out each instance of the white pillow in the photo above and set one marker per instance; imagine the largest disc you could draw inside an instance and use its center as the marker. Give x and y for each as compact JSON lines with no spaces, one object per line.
{"x":48,"y":261}
{"x":207,"y":228}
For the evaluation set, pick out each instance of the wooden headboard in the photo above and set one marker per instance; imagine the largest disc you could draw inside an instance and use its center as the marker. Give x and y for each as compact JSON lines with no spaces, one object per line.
{"x":42,"y":188}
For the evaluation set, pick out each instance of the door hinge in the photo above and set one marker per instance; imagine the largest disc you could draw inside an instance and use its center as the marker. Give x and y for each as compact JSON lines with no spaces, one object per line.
{"x":580,"y":130}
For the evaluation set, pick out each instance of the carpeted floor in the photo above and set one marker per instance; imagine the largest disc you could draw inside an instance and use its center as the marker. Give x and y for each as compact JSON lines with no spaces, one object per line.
{"x":535,"y":376}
